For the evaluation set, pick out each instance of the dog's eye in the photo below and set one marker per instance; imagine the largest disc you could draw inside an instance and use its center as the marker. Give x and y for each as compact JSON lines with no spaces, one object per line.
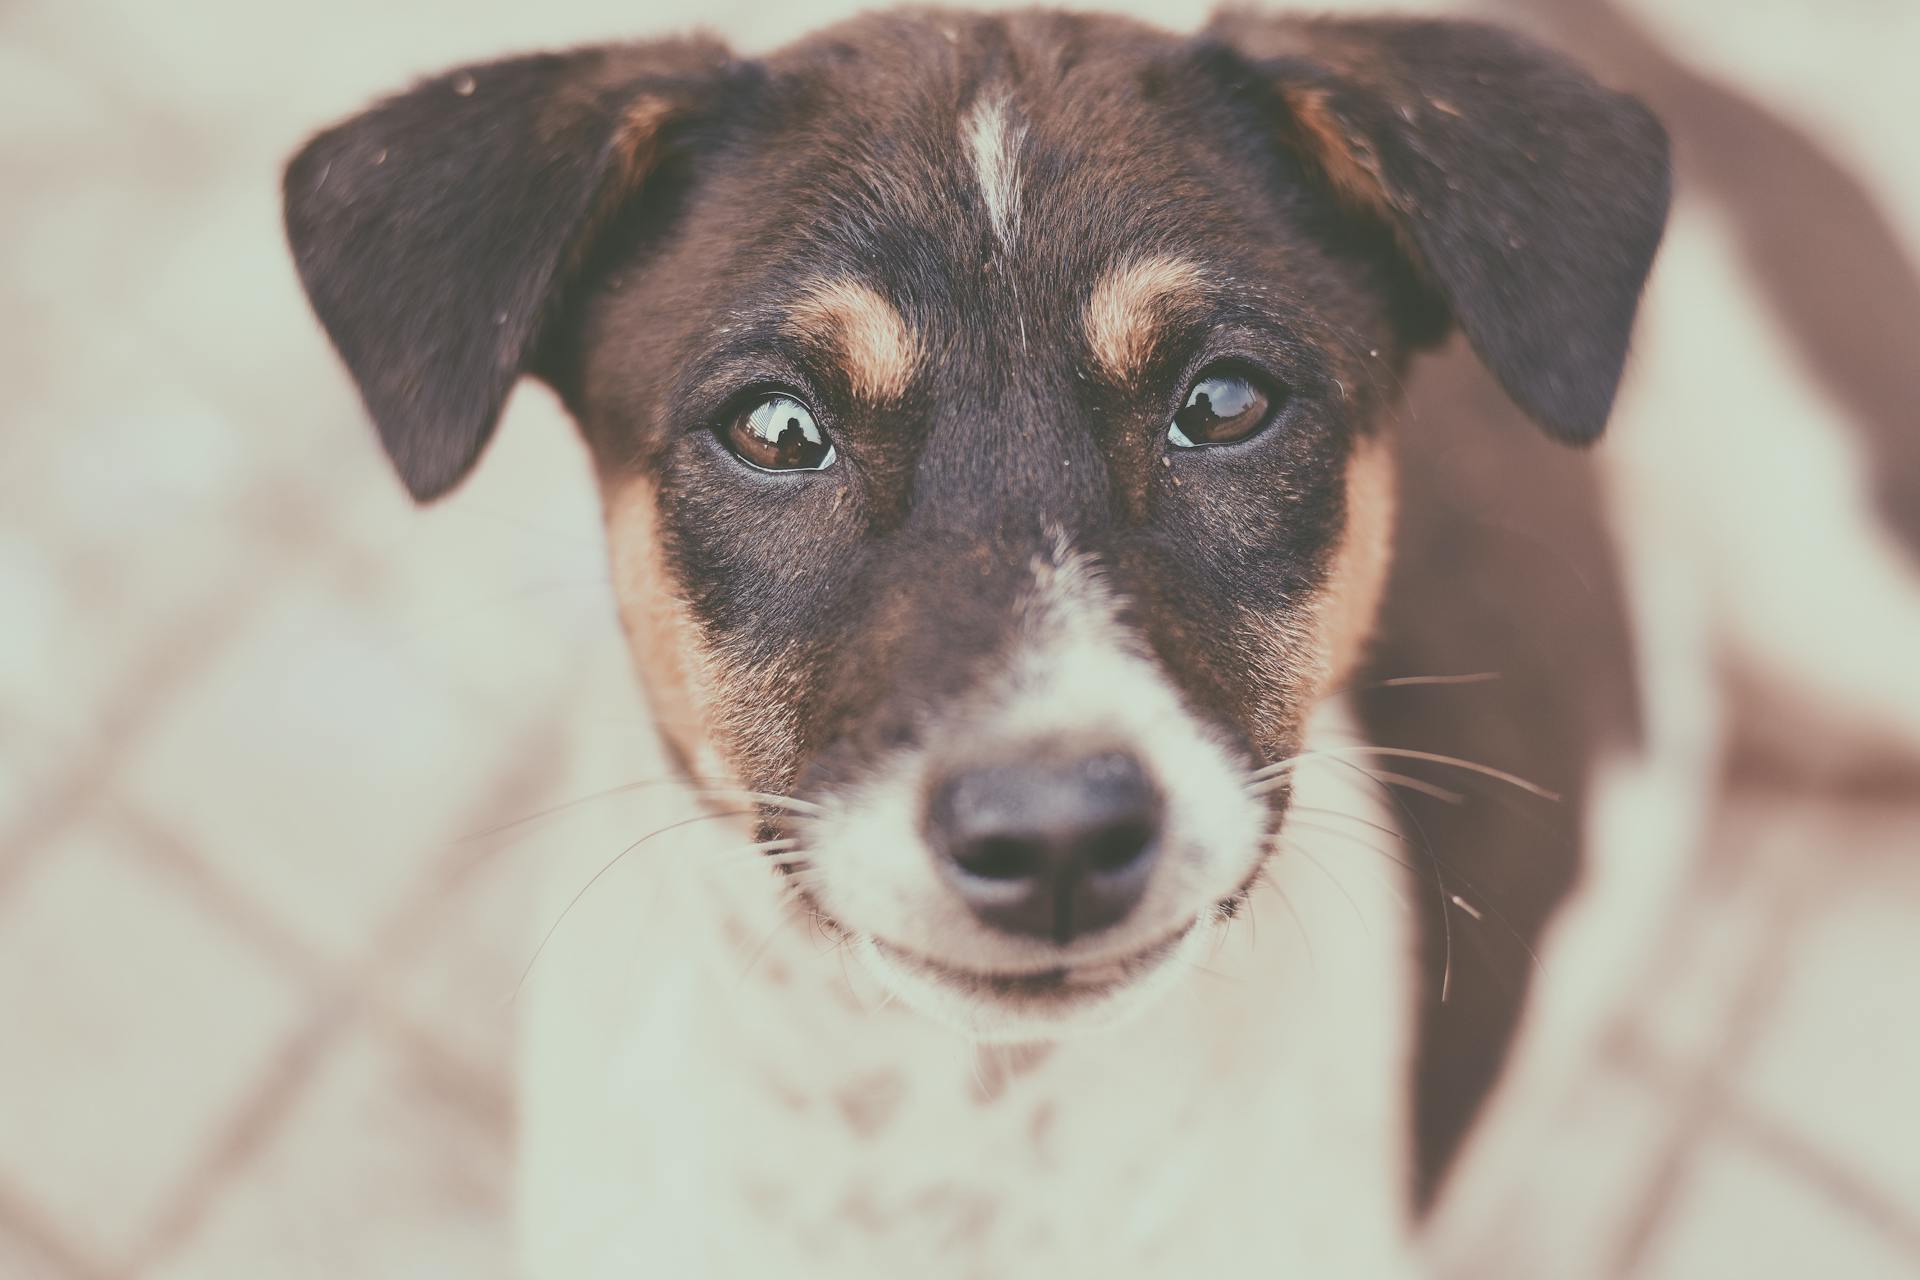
{"x":1224,"y":405}
{"x":778,"y":433}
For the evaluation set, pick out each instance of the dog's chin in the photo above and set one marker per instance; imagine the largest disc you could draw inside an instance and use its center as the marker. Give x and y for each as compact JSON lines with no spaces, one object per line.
{"x":1043,"y":1004}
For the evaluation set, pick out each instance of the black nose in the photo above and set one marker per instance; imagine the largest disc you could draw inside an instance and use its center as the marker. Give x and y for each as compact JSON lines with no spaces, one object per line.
{"x":1049,"y":849}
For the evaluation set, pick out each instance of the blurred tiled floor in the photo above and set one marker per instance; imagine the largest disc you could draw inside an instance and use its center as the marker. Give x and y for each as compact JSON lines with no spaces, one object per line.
{"x":254,"y":993}
{"x":255,"y":988}
{"x":1744,"y":1110}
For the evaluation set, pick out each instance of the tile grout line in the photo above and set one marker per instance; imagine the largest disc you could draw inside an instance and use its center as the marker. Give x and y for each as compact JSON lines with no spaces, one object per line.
{"x":137,"y":701}
{"x":1850,"y":1190}
{"x":42,"y":1237}
{"x":353,"y":998}
{"x":1701,"y":1098}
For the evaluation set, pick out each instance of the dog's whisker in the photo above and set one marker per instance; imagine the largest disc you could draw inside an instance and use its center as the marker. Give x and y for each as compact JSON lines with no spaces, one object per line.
{"x":1480,"y":911}
{"x":1286,"y":900}
{"x":1434,"y":757}
{"x":752,"y":855}
{"x":1388,"y":779}
{"x":1321,"y":811}
{"x":1404,"y":682}
{"x":1432,"y":790}
{"x":760,"y":950}
{"x":1393,"y":885}
{"x":1469,"y":677}
{"x":1439,"y":880}
{"x":1355,"y":838}
{"x":598,"y":875}
{"x":1295,"y":846}
{"x":1196,"y":966}
{"x":1277,"y":767}
{"x":797,"y":807}
{"x":1389,"y":882}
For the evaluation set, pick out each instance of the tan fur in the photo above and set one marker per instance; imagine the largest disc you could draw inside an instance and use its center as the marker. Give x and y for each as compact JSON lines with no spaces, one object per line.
{"x":1350,"y":601}
{"x":1128,"y":306}
{"x":1348,"y":161}
{"x":639,"y":135}
{"x":635,"y":147}
{"x":1304,"y":653}
{"x":880,"y":350}
{"x":659,"y":633}
{"x":730,"y":718}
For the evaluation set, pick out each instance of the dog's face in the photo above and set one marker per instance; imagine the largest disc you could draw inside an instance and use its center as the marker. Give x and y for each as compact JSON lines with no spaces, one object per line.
{"x":987,"y":413}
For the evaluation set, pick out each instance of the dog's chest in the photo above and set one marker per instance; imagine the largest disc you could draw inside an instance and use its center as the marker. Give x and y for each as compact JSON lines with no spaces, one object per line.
{"x":964,"y":1161}
{"x":827,"y":1149}
{"x":705,"y":1101}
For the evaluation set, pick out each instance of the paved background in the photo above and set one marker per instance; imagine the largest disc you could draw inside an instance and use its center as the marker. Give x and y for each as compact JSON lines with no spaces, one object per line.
{"x":256,"y":977}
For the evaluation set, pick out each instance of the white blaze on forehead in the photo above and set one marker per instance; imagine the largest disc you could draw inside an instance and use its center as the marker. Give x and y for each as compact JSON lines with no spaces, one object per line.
{"x":993,"y":140}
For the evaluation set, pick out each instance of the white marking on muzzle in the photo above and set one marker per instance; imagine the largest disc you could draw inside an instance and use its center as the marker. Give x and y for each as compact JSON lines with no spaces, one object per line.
{"x":1074,"y":672}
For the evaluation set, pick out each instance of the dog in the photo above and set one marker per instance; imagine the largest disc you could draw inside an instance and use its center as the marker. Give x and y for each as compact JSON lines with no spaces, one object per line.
{"x":1001,"y":432}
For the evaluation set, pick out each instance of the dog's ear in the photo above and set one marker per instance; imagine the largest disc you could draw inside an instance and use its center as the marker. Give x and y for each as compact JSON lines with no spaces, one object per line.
{"x":1530,"y":198}
{"x":433,"y":231}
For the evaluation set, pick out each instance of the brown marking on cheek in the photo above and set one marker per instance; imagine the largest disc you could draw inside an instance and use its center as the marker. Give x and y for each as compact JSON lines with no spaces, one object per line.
{"x":785,"y":1094}
{"x":1350,"y":601}
{"x":729,"y":716}
{"x":879,"y":350}
{"x":954,"y":1215}
{"x":1128,"y":307}
{"x":869,"y":1103}
{"x":1300,"y":651}
{"x":753,"y":717}
{"x":859,"y":1210}
{"x":750,"y":951}
{"x":1286,"y":674}
{"x":660,"y":632}
{"x":1040,"y":1130}
{"x":997,"y":1066}
{"x":765,"y":1198}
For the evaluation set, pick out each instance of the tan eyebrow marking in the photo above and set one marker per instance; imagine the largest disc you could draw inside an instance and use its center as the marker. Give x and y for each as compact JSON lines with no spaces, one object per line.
{"x":879,"y":349}
{"x":1128,"y":306}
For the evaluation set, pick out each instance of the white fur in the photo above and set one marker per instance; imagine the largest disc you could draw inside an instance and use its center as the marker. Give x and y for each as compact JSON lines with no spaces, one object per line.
{"x":1076,"y":672}
{"x":993,"y":141}
{"x":711,"y":1089}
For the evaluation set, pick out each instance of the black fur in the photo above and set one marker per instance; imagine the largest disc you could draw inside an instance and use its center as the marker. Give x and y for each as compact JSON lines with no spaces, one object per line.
{"x":1533,"y":198}
{"x":433,"y":232}
{"x":452,"y":241}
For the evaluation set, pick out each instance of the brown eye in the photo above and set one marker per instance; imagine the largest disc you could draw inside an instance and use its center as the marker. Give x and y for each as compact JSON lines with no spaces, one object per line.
{"x":1223,"y":406}
{"x":778,"y":433}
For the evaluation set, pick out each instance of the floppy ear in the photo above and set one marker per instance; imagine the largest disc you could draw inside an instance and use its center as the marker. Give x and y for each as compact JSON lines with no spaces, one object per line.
{"x":433,"y":231}
{"x":1528,"y":196}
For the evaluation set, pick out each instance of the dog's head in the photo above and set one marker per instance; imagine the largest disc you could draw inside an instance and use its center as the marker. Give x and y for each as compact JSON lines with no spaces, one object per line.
{"x":988,"y":412}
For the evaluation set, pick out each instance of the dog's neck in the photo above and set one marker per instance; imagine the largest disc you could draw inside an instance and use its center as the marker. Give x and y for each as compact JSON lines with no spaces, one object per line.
{"x":715,"y":1088}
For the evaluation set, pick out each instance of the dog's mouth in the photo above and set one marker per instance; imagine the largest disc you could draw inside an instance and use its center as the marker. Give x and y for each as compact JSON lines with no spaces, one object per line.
{"x":1056,"y":986}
